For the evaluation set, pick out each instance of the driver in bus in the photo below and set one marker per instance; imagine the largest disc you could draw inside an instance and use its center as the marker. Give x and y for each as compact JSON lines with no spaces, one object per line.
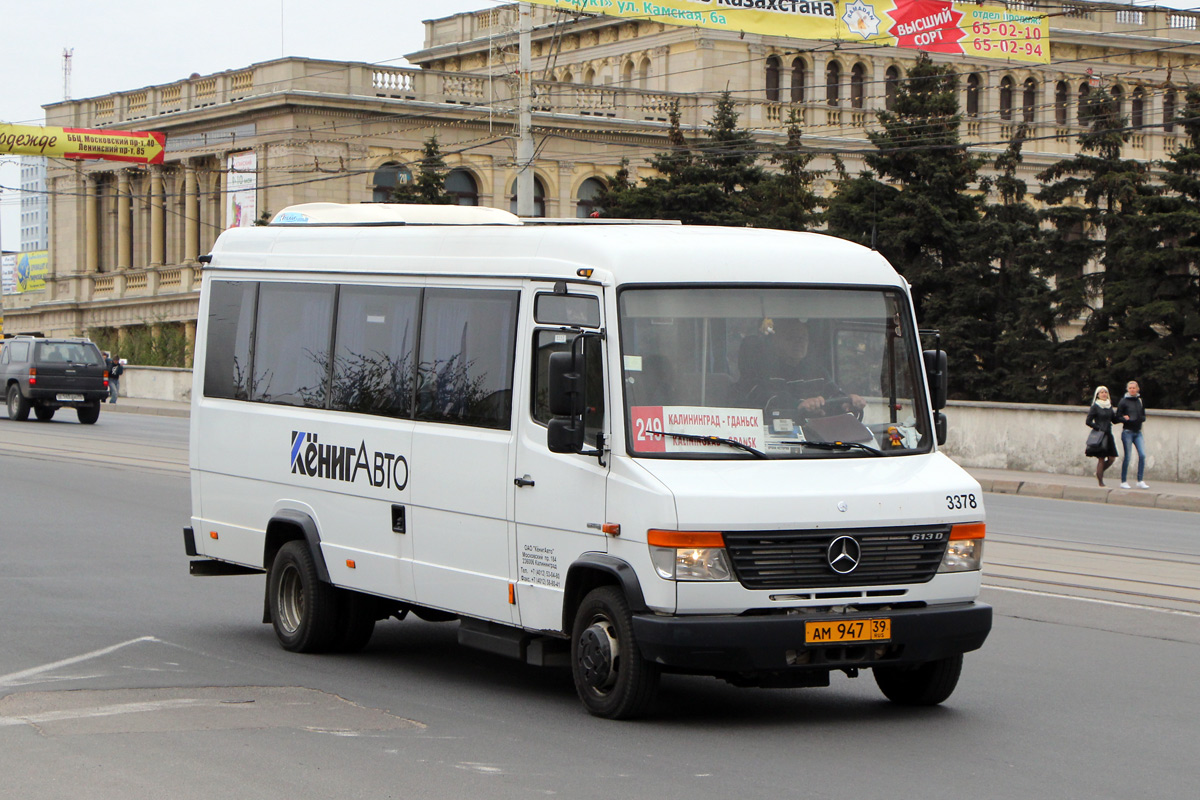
{"x":777,"y":368}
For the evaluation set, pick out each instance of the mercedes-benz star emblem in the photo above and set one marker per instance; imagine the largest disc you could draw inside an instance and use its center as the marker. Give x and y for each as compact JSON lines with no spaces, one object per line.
{"x":844,"y":554}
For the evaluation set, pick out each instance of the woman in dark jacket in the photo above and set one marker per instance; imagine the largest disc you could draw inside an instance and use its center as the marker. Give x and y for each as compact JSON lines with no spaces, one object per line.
{"x":1100,"y":418}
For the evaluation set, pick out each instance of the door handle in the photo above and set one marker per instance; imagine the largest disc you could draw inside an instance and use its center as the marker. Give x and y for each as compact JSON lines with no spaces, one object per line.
{"x":524,"y":480}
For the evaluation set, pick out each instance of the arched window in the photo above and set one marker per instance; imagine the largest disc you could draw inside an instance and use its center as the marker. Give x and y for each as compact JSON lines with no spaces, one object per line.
{"x":1029,"y":101}
{"x":567,"y":77}
{"x":773,"y":79}
{"x":539,"y":198}
{"x":1169,"y":111}
{"x":589,"y":76}
{"x":1118,"y":95}
{"x":627,"y":73}
{"x":1084,"y":90}
{"x":891,"y":87}
{"x":1137,"y":108}
{"x":585,"y":198}
{"x":833,"y":83}
{"x":1061,"y":93}
{"x":799,"y":78}
{"x":1006,"y":98}
{"x":460,"y":185}
{"x":644,"y":73}
{"x":858,"y":79}
{"x":386,"y":179}
{"x":973,"y":81}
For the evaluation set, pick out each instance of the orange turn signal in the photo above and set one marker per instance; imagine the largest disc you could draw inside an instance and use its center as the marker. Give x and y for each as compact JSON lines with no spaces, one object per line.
{"x":213,"y":535}
{"x":512,"y":594}
{"x":659,"y":538}
{"x":350,"y":563}
{"x":611,"y":528}
{"x":968,"y":530}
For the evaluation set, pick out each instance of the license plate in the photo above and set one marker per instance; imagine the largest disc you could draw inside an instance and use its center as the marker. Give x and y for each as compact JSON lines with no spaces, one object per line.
{"x":858,"y":630}
{"x":70,"y":398}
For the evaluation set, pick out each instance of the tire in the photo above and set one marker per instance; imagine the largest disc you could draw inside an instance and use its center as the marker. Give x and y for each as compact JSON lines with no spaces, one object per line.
{"x":43,"y":413}
{"x":611,"y":677}
{"x":923,"y":685}
{"x":88,"y":414}
{"x":18,"y":406}
{"x":304,"y":610}
{"x":356,"y":621}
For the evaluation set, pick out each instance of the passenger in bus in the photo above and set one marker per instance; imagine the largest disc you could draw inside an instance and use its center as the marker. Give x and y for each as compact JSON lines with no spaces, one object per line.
{"x":777,"y":369}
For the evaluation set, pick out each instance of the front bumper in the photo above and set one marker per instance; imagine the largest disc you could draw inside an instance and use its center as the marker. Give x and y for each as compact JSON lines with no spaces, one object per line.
{"x":776,"y":643}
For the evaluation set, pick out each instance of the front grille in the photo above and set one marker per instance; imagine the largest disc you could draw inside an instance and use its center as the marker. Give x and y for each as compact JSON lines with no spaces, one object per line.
{"x":798,"y":559}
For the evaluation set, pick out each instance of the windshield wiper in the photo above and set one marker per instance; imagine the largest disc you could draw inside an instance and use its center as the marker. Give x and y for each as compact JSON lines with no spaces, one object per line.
{"x":696,"y":437}
{"x":838,"y":446}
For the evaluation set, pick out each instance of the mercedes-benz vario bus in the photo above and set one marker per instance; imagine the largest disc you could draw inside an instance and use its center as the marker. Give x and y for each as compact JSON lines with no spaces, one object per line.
{"x":626,"y":448}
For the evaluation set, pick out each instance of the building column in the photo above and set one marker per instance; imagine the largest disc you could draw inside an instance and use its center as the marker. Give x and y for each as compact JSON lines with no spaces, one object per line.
{"x":157,"y":218}
{"x":189,"y":334}
{"x":191,"y":213}
{"x":213,"y":225}
{"x":91,"y":225}
{"x":124,"y":221}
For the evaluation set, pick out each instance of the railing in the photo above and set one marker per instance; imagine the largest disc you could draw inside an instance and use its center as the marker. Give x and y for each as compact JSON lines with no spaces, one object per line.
{"x":170,"y":279}
{"x":104,"y":284}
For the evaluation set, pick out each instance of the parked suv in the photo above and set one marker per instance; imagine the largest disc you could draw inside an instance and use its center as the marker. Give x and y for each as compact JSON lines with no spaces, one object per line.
{"x":49,"y":374}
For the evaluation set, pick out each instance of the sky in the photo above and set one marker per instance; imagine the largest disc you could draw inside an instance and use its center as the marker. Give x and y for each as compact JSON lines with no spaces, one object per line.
{"x":121,"y":45}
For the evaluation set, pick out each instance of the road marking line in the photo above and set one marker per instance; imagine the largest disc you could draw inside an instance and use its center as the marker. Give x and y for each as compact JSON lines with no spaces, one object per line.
{"x":106,"y":711}
{"x":1092,"y":600}
{"x":15,"y":677}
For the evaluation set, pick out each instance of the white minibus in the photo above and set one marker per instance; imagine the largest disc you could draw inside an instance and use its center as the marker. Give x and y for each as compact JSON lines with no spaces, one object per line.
{"x":629,"y":448}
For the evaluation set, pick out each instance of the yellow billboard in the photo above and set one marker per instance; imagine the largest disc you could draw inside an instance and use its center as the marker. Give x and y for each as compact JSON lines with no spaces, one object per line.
{"x":31,"y":271}
{"x":935,"y":26}
{"x":138,"y":147}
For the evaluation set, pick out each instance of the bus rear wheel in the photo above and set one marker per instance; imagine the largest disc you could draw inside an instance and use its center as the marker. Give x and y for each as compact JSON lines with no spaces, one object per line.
{"x":304,"y":610}
{"x":921,"y":685}
{"x":611,"y":677}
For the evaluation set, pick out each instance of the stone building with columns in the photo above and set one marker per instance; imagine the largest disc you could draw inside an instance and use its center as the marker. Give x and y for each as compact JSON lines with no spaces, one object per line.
{"x":125,"y":240}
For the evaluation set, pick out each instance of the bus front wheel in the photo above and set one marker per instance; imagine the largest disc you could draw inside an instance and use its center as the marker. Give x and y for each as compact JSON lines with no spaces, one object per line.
{"x":921,"y":685}
{"x":611,"y":677}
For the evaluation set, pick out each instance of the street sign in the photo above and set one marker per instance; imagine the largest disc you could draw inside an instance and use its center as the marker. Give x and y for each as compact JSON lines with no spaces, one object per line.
{"x":139,"y":147}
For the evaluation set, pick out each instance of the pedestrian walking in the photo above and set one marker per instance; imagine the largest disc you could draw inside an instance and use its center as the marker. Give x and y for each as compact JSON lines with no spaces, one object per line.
{"x":1131,"y":414}
{"x":1099,"y":419}
{"x":115,"y":370}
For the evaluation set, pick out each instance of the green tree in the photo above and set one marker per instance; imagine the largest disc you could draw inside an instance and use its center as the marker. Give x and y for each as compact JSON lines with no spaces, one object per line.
{"x":915,"y":204}
{"x":429,"y":186}
{"x":1092,"y":247}
{"x":786,"y":199}
{"x":710,"y":182}
{"x":1153,"y":301}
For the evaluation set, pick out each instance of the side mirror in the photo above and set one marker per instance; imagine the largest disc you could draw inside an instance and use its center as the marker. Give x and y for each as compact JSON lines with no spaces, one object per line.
{"x":935,"y":369}
{"x":565,"y":432}
{"x":939,"y":427}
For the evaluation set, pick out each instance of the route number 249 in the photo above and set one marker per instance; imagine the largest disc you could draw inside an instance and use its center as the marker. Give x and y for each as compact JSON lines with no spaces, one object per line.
{"x":956,"y":501}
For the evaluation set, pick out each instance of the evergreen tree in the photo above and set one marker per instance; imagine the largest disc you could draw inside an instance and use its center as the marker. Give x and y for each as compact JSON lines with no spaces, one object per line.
{"x":1023,"y":316}
{"x":1093,"y":200}
{"x":429,"y":187}
{"x":1154,"y":303}
{"x":915,"y":205}
{"x":786,"y":199}
{"x":708,"y":183}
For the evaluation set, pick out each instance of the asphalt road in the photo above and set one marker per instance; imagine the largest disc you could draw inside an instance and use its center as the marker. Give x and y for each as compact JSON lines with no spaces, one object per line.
{"x":123,"y":677}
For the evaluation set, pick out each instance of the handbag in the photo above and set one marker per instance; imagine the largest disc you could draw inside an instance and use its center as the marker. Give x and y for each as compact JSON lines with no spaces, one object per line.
{"x":1095,"y":444}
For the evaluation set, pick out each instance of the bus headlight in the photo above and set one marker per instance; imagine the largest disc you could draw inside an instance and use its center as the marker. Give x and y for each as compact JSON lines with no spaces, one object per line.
{"x":965,"y":552}
{"x":689,"y":555}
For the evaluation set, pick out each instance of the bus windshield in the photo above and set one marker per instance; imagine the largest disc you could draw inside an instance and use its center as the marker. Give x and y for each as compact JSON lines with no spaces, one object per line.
{"x":741,"y":372}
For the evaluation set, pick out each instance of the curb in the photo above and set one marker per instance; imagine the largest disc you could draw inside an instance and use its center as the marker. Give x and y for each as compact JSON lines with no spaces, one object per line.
{"x":1092,"y":494}
{"x":132,"y":407}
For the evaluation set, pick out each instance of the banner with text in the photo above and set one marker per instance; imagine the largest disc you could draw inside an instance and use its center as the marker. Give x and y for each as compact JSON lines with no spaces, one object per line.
{"x":139,"y":147}
{"x":241,"y":195}
{"x":936,"y":26}
{"x":29,"y":271}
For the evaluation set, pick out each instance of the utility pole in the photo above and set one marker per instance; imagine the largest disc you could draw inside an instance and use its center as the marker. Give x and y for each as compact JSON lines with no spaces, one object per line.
{"x":525,"y":113}
{"x":68,"y":52}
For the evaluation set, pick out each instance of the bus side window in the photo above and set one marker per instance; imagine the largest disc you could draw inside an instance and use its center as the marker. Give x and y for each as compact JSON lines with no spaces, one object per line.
{"x":230,"y":326}
{"x":468,"y":343}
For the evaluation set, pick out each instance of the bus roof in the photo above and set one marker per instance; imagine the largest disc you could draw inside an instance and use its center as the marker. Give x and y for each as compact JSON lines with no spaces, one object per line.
{"x":373,"y":239}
